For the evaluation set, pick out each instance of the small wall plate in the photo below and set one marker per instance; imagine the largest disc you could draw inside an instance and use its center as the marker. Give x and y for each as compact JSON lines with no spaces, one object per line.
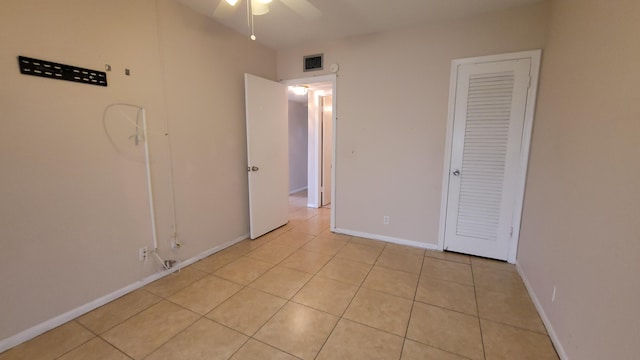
{"x":334,"y":68}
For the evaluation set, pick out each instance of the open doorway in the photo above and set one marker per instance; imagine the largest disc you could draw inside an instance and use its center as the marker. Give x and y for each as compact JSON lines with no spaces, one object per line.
{"x":317,"y":94}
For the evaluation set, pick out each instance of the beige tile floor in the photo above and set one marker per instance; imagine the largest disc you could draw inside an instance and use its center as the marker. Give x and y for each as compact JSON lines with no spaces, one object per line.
{"x":302,"y":292}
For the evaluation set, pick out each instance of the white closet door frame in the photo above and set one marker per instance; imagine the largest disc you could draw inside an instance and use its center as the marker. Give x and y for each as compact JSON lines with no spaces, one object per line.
{"x":535,"y":56}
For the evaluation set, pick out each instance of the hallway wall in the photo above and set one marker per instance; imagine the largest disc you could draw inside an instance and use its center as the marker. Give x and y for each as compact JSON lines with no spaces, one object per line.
{"x":298,"y":143}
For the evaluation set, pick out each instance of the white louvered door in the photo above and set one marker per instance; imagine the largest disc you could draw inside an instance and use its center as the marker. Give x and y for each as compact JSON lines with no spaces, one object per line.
{"x":488,"y":120}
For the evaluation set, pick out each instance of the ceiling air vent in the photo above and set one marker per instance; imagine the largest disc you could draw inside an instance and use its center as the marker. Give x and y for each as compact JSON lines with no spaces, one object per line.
{"x":313,"y":62}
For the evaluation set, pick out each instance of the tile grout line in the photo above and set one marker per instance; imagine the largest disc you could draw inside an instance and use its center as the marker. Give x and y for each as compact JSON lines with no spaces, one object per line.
{"x":413,"y":304}
{"x":80,"y":345}
{"x":350,"y":302}
{"x":276,"y":312}
{"x":475,"y":294}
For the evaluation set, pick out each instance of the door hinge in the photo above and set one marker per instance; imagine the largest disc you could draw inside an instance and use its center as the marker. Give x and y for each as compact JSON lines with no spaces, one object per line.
{"x":511,"y":234}
{"x":529,"y":84}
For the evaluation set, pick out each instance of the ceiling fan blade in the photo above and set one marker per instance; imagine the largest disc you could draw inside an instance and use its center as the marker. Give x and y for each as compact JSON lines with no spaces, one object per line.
{"x":304,"y":8}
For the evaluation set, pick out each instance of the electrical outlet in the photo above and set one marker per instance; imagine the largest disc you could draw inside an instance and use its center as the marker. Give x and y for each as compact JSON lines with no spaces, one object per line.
{"x":553,"y":295}
{"x":385,"y":220}
{"x":142,"y":253}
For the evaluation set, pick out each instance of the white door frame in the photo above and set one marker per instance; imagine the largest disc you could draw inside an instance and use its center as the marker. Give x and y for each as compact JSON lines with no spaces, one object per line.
{"x":332,"y":78}
{"x":535,"y":56}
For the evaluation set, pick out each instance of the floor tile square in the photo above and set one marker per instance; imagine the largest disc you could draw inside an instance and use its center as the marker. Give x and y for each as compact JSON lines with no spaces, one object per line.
{"x":271,"y":253}
{"x":405,"y":249}
{"x":303,"y":213}
{"x":504,"y":342}
{"x":381,"y":311}
{"x":514,"y":308}
{"x":350,"y":272}
{"x":311,"y":227}
{"x":117,"y":311}
{"x":175,"y":282}
{"x":326,"y":246}
{"x":416,"y":351}
{"x":497,"y":280}
{"x":351,"y":340}
{"x":95,"y":349}
{"x":205,"y":294}
{"x":243,"y":270}
{"x":247,"y":310}
{"x":298,"y":330}
{"x":360,"y":253}
{"x":307,"y":261}
{"x":292,"y":239}
{"x":447,"y":270}
{"x":204,"y":340}
{"x":255,"y":350}
{"x":450,"y":256}
{"x":400,"y":261}
{"x":145,"y":332}
{"x":51,"y":344}
{"x":327,"y":295}
{"x":447,"y":330}
{"x":252,"y":244}
{"x":394,"y":282}
{"x":447,"y":294}
{"x":281,"y":281}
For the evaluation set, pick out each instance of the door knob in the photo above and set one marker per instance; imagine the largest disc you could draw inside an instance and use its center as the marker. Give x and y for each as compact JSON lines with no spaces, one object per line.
{"x":255,"y":168}
{"x":456,"y":172}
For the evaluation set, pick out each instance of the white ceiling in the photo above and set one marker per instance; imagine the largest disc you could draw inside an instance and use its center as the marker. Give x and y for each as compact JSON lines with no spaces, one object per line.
{"x":283,"y":28}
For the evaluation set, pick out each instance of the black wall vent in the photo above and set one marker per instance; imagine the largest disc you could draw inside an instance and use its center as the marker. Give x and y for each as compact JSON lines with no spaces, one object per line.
{"x":48,"y":69}
{"x":313,"y":62}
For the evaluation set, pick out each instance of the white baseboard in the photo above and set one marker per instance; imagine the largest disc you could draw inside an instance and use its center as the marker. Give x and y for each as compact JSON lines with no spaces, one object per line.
{"x":388,"y":239}
{"x":545,"y":319}
{"x":297,"y":190}
{"x":52,"y":323}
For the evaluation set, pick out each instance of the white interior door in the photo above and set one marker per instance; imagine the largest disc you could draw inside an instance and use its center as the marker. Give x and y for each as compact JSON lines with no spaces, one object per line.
{"x":486,"y":162}
{"x":327,"y":147}
{"x":267,"y":153}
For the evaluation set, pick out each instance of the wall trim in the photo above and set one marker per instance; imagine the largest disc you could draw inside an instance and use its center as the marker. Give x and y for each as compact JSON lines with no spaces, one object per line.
{"x":32,"y":332}
{"x":388,"y":239}
{"x":545,"y":319}
{"x":297,"y":190}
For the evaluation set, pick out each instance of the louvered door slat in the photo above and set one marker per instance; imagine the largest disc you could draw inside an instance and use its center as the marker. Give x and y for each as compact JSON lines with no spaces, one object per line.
{"x":488,"y":110}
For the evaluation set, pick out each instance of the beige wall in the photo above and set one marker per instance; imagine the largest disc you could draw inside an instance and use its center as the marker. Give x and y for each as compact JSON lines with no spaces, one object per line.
{"x":392,"y":96}
{"x":74,"y":211}
{"x":581,"y":227}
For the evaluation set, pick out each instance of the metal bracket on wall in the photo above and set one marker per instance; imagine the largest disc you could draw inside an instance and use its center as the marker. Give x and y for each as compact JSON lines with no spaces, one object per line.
{"x":48,"y":69}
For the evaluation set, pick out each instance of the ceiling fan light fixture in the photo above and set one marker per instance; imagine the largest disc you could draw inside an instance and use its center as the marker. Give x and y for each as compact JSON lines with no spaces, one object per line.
{"x":299,"y":90}
{"x":232,"y":2}
{"x":259,"y":8}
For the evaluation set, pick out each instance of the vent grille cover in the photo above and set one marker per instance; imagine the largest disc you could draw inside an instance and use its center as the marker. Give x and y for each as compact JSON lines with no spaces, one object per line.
{"x":313,"y":62}
{"x":48,"y":69}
